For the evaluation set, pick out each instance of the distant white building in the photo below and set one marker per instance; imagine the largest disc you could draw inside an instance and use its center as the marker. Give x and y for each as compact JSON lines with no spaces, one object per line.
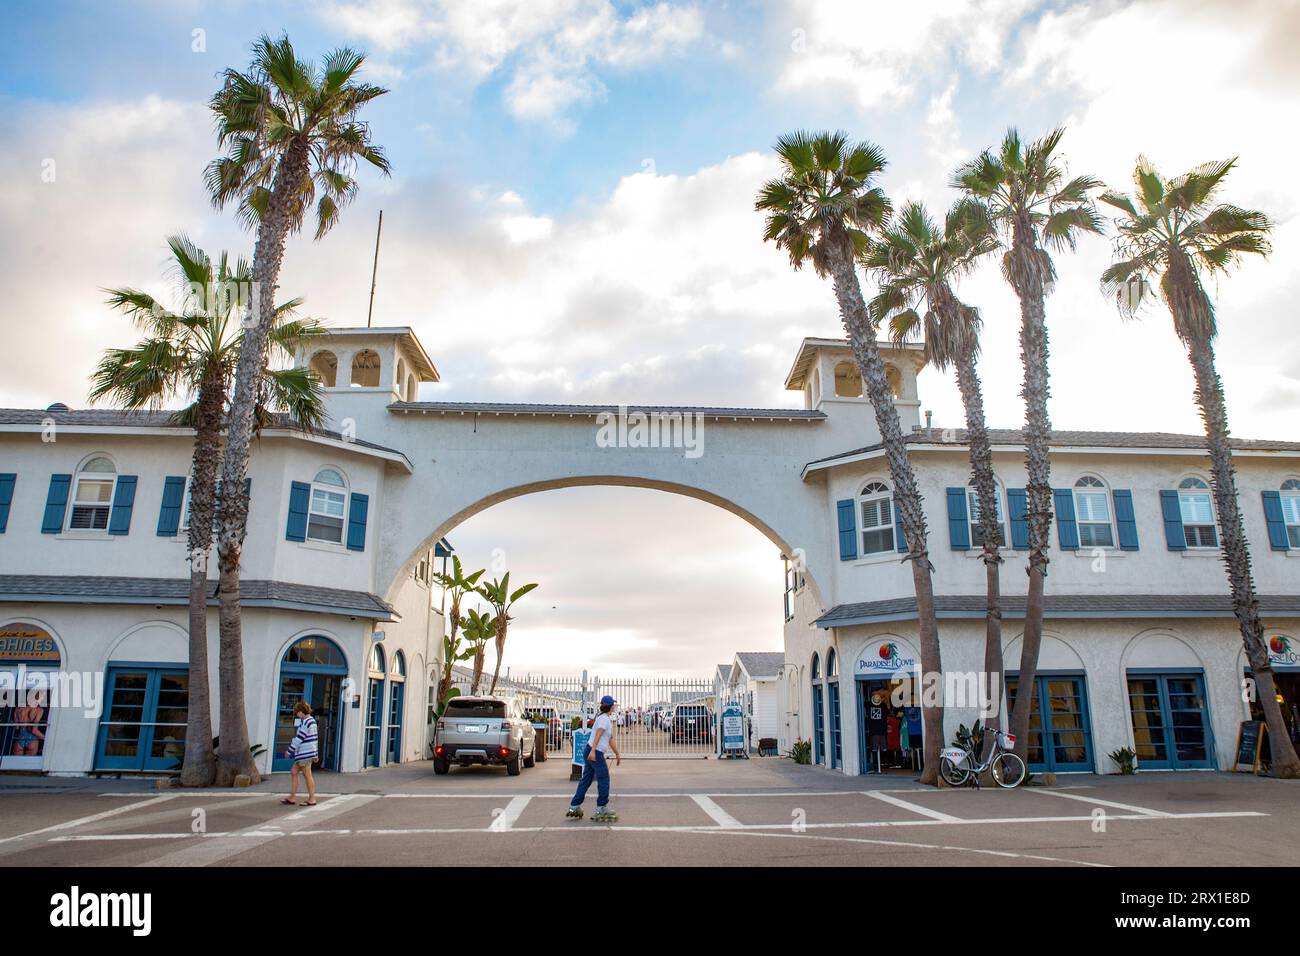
{"x":753,"y":678}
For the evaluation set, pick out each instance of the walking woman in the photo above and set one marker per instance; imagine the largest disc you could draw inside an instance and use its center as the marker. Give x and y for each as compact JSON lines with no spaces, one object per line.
{"x":302,"y":751}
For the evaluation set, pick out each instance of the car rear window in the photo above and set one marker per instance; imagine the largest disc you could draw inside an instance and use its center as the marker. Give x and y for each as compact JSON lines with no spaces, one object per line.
{"x":476,"y":708}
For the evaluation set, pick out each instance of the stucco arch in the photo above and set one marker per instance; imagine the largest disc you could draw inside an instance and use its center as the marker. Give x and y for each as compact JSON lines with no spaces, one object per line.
{"x":1054,"y":654}
{"x":449,"y":524}
{"x":130,"y":644}
{"x":1177,"y":651}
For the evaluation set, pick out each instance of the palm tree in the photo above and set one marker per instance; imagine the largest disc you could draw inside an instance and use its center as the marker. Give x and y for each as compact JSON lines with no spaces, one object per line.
{"x":478,"y":630}
{"x":289,"y":128}
{"x":502,"y":599}
{"x":1174,"y":234}
{"x":456,"y":584}
{"x":820,"y":211}
{"x":453,"y":651}
{"x":1029,"y":203}
{"x":917,"y":263}
{"x":191,"y":354}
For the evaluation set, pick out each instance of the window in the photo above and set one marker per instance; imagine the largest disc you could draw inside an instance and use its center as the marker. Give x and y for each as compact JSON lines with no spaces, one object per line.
{"x":326,"y":366}
{"x":325,"y":512}
{"x":1291,"y":510}
{"x":93,"y":499}
{"x":421,"y":570}
{"x":1092,"y":511}
{"x":365,"y":369}
{"x":848,"y":380}
{"x":791,"y":576}
{"x":877,"y":518}
{"x":1197,"y":513}
{"x":973,"y":509}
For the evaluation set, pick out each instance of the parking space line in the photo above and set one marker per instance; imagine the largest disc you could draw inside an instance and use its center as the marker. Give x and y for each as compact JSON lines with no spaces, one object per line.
{"x":505,"y":819}
{"x":913,"y":807}
{"x":718,"y":815}
{"x":93,"y":818}
{"x":1101,"y":803}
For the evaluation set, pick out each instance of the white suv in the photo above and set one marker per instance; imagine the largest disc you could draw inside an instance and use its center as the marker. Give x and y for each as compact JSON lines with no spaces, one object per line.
{"x":486,"y":730}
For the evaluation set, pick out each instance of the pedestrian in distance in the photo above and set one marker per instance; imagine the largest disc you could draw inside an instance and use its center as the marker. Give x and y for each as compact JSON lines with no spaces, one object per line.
{"x":302,"y":752}
{"x":594,"y":766}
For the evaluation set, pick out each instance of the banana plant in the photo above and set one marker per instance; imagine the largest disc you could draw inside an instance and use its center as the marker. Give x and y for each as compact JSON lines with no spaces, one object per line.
{"x":478,"y":630}
{"x":453,"y":651}
{"x":502,"y":599}
{"x":456,"y":584}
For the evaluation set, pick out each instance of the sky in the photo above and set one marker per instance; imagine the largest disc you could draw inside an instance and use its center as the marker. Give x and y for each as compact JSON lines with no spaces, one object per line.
{"x":570,"y":219}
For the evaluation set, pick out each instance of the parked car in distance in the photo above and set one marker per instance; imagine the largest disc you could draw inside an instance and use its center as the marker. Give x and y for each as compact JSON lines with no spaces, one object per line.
{"x":691,"y":724}
{"x":483,"y":730}
{"x":551,"y":718}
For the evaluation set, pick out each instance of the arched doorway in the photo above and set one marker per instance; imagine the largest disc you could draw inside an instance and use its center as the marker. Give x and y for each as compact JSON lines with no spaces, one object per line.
{"x":396,"y":707}
{"x":28,"y":657}
{"x":819,"y":712}
{"x":312,"y":669}
{"x":833,"y":693}
{"x":374,"y":707}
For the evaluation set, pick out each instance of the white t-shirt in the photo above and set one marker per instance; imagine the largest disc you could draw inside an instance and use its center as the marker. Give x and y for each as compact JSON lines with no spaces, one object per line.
{"x":602,"y":723}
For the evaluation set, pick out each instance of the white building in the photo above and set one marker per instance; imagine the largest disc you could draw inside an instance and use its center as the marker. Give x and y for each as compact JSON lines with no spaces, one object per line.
{"x":752,"y":678}
{"x":1141,"y":646}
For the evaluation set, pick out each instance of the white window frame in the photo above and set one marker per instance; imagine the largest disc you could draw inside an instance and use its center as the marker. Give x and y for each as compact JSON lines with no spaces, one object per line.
{"x":1093,"y":485}
{"x":328,"y":489}
{"x":973,"y":515}
{"x":1186,"y":491}
{"x":1290,"y":498}
{"x":98,"y":477}
{"x":876,"y":493}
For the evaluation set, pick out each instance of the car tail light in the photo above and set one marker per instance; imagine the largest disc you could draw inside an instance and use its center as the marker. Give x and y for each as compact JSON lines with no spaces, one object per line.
{"x":438,"y":750}
{"x":504,"y":751}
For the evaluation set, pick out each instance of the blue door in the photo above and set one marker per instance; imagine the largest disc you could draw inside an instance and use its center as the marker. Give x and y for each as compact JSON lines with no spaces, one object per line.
{"x":396,"y":697}
{"x":312,"y":669}
{"x":374,"y":720}
{"x":819,"y":725}
{"x":145,"y":714}
{"x":836,"y":750}
{"x":1060,"y":732}
{"x":1171,"y":720}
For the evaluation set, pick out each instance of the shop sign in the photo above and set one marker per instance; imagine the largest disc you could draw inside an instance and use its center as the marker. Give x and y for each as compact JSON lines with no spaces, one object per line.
{"x":733,"y":728}
{"x":1282,"y":652}
{"x":28,"y":643}
{"x":883,"y":659}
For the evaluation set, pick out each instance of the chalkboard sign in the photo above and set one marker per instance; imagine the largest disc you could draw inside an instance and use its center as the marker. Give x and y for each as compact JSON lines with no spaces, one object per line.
{"x":1250,"y":740}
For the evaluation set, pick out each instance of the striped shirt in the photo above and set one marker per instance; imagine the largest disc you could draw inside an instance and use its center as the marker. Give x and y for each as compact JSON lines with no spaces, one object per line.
{"x":303,"y":745}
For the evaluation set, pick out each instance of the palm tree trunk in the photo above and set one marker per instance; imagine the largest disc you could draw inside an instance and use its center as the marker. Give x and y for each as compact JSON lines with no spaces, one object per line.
{"x":478,"y":669}
{"x":1236,"y":552}
{"x":502,"y":624}
{"x":198,"y":769}
{"x":907,"y":497}
{"x":234,"y":758}
{"x":981,"y":460}
{"x":1027,"y":278}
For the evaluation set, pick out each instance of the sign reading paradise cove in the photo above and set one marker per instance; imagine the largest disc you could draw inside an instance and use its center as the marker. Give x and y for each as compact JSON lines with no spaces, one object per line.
{"x":884,"y":660}
{"x":1282,"y":652}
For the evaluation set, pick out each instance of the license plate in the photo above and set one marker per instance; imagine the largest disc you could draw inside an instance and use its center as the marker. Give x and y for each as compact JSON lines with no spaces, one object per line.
{"x":473,"y":728}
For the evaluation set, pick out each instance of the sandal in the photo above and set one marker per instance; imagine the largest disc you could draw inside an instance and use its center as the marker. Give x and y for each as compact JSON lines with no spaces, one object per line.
{"x":310,"y":803}
{"x":289,"y":803}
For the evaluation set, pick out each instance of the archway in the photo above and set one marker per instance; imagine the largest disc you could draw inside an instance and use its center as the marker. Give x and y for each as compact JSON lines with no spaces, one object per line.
{"x":313,"y":669}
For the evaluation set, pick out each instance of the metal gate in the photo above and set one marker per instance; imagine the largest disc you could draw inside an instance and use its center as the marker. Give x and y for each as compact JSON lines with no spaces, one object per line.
{"x":654,"y":717}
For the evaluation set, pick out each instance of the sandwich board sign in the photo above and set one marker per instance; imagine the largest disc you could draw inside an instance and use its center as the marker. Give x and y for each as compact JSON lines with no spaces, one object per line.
{"x":733,"y":730}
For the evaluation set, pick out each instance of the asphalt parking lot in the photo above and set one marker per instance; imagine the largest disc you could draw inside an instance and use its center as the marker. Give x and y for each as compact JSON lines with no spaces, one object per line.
{"x":757,"y":812}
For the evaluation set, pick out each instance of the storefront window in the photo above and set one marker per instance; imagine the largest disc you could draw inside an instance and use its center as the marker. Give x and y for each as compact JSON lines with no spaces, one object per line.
{"x":28,"y":656}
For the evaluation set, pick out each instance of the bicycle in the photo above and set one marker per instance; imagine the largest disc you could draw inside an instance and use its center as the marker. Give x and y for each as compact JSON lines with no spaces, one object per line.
{"x":958,"y":765}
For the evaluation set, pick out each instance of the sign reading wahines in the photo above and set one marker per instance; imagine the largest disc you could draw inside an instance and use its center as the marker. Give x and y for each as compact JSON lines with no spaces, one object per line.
{"x":27,"y":643}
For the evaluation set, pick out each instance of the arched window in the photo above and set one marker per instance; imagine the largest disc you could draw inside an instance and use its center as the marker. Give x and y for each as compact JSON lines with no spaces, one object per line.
{"x":399,"y":665}
{"x":1291,"y":510}
{"x":832,"y":664}
{"x":816,"y":666}
{"x":326,"y":366}
{"x":1092,"y":511}
{"x":895,"y":379}
{"x":401,"y":376}
{"x":365,"y":369}
{"x":1197,"y":509}
{"x":973,"y":509}
{"x":93,"y":499}
{"x":377,"y":661}
{"x":314,"y":649}
{"x":877,"y":507}
{"x":848,"y":380}
{"x":412,"y":388}
{"x":328,"y":502}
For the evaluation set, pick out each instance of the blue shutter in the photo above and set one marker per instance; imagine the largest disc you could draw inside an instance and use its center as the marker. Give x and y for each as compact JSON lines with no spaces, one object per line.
{"x":900,"y":540}
{"x":299,"y":494}
{"x":119,"y":519}
{"x":958,"y":522}
{"x":1018,"y":512}
{"x":1125,"y":519}
{"x":56,"y":504}
{"x":357,"y":510}
{"x":1067,"y":530}
{"x":1272,"y":517}
{"x":173,"y":502}
{"x":1173,"y":516}
{"x":848,"y":529}
{"x":6,"y":498}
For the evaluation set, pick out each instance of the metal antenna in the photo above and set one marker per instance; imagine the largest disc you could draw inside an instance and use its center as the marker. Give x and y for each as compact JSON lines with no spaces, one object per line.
{"x":374,"y":272}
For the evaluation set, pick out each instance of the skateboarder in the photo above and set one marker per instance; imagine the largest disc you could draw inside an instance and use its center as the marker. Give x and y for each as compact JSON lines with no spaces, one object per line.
{"x":595,"y":767}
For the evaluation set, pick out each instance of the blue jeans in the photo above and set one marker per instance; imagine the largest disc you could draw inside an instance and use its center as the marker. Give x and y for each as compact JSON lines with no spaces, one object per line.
{"x":594,"y":768}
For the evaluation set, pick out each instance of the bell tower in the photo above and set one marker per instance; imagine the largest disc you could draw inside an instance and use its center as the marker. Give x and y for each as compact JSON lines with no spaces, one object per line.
{"x":827,"y":373}
{"x":365,"y":369}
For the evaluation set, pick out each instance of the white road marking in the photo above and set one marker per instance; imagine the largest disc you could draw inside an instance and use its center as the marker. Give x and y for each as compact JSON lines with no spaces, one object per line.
{"x":93,"y":818}
{"x":718,"y":815}
{"x":1102,"y":803}
{"x":505,"y":820}
{"x":913,"y":807}
{"x":331,"y":802}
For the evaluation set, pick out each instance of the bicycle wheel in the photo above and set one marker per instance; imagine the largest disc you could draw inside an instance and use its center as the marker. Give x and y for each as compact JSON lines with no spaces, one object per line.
{"x":1008,"y":770}
{"x":952,"y":774}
